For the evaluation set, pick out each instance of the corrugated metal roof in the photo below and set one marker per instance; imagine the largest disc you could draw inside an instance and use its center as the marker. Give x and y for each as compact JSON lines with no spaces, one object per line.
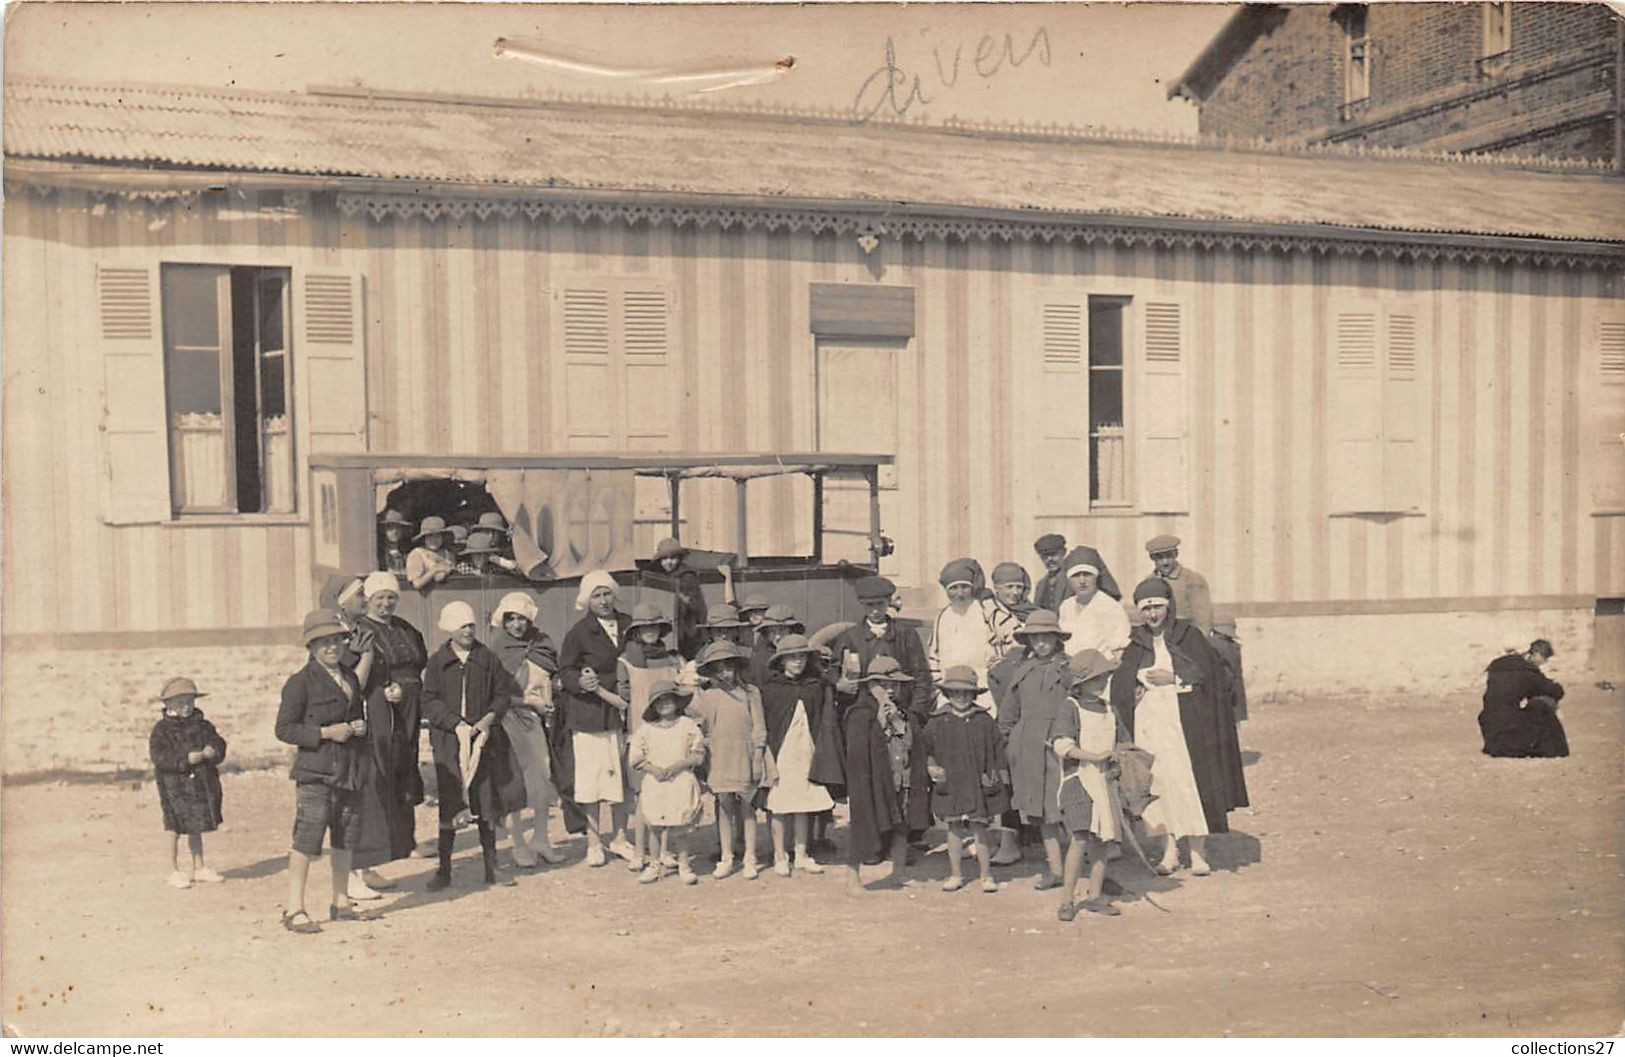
{"x":540,"y":144}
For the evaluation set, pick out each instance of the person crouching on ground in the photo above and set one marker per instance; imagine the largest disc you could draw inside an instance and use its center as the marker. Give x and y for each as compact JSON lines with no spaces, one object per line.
{"x":1089,"y":808}
{"x":321,"y":713}
{"x":665,"y":749}
{"x":1520,"y":706}
{"x":186,"y":753}
{"x":730,"y":715}
{"x":1033,"y":716}
{"x":965,"y":756}
{"x":527,"y":653}
{"x":466,"y":692}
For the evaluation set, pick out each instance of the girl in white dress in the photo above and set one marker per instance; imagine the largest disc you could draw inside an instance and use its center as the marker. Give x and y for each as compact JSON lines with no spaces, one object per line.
{"x":795,"y":708}
{"x":665,"y":749}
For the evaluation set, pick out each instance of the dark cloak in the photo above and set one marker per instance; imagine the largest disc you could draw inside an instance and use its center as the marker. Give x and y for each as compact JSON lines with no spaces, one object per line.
{"x":484,"y":687}
{"x":779,"y":698}
{"x":1520,"y":711}
{"x":188,"y":793}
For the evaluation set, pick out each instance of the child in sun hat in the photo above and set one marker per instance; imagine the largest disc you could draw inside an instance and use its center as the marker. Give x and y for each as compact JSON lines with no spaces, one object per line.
{"x":1087,"y":796}
{"x":730,"y":714}
{"x":665,"y":749}
{"x":186,"y":753}
{"x":802,"y":744}
{"x":965,"y":758}
{"x":431,"y":561}
{"x":644,"y":661}
{"x":1034,"y":713}
{"x":397,"y":530}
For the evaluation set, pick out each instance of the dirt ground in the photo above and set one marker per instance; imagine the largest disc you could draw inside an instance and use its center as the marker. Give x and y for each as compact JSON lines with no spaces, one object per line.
{"x":1389,"y":881}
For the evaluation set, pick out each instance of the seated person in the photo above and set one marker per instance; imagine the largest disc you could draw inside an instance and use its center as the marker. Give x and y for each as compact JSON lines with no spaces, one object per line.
{"x":482,"y":555}
{"x":397,"y":531}
{"x":432,"y":560}
{"x":1520,"y":706}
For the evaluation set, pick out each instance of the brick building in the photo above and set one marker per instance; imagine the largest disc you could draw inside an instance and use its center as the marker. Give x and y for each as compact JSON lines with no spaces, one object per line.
{"x":1509,"y":78}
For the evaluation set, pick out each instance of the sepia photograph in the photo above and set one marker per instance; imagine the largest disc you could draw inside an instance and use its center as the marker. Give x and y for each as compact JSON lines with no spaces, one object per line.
{"x":800,"y":521}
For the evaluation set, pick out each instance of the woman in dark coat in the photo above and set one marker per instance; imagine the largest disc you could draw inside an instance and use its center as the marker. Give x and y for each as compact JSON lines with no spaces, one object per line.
{"x":393,"y":687}
{"x":1520,"y":706}
{"x":465,"y":692}
{"x":1170,"y":677}
{"x":591,"y":758}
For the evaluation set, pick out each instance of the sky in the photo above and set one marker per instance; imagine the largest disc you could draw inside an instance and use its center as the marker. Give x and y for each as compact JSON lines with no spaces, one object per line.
{"x":1082,"y":64}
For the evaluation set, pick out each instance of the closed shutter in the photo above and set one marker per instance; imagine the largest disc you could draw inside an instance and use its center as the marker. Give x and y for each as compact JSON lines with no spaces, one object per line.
{"x":1164,"y":484}
{"x":590,"y":405}
{"x":135,"y":453}
{"x":619,"y":384}
{"x":1403,"y":408}
{"x":1062,"y":479}
{"x":650,"y":383}
{"x":1355,"y":409}
{"x":1607,"y":419}
{"x":330,"y":350}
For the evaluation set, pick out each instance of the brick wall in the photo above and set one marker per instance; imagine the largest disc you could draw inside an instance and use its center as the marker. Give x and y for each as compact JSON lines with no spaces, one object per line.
{"x":1289,"y":85}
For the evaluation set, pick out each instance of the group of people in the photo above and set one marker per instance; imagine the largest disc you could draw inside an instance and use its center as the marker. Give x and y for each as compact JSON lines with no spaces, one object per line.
{"x":1072,"y":721}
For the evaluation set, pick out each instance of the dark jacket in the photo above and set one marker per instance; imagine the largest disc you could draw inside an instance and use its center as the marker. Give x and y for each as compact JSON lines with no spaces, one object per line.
{"x":483,"y":687}
{"x":311,"y":700}
{"x":1513,"y":728}
{"x":587,"y":645}
{"x":902,"y":644}
{"x":188,"y":792}
{"x":780,"y":695}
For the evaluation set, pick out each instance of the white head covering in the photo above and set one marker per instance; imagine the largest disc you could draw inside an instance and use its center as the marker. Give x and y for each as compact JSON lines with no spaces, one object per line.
{"x":1081,"y":567}
{"x":592,"y":582}
{"x":516,"y":602}
{"x":358,"y":586}
{"x":456,"y":615}
{"x":380,"y":581}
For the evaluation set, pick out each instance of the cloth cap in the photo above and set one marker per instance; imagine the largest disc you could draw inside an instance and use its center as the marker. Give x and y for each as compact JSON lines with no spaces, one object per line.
{"x":961,"y":571}
{"x":669,"y":548}
{"x":720,"y":650}
{"x":1158,"y":544}
{"x":517,"y":603}
{"x":591,"y":582}
{"x":780,"y":616}
{"x":178,"y":686}
{"x":1009,"y":573}
{"x":430,"y":526}
{"x":319,"y":623}
{"x":1153,"y":588}
{"x":792,"y":644}
{"x":394,"y":517}
{"x":645,"y":614}
{"x":380,"y":581}
{"x":455,"y":615}
{"x":886,"y":668}
{"x":664,"y":688}
{"x":1087,"y":664}
{"x":1049,"y":543}
{"x":960,"y":677}
{"x":875,"y":587}
{"x":722,"y":615}
{"x":1082,"y":558}
{"x":482,"y":541}
{"x":1042,"y":622}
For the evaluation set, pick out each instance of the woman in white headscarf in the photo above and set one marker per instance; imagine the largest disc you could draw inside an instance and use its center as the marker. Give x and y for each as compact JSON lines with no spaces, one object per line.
{"x":594,"y":776}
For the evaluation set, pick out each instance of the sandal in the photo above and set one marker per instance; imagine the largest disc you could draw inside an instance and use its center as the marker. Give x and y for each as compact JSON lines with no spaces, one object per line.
{"x":1045,"y":882}
{"x":1099,"y":906}
{"x":1067,"y":912}
{"x":292,"y":923}
{"x":350,"y":914}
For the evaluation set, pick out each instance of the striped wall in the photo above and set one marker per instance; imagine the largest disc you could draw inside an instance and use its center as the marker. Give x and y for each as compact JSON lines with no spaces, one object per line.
{"x":458,"y":360}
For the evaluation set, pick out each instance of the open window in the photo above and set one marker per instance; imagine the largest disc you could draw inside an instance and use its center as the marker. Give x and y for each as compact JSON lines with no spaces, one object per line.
{"x":1356,"y":60}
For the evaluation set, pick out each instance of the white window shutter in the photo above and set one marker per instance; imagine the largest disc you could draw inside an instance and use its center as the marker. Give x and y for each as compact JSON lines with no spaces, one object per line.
{"x":1404,"y":406}
{"x":1607,"y":418}
{"x":1164,"y":402}
{"x":1355,"y":408}
{"x":331,"y":353}
{"x":135,"y":445}
{"x":1062,"y":481}
{"x":586,"y":317}
{"x":646,"y":344}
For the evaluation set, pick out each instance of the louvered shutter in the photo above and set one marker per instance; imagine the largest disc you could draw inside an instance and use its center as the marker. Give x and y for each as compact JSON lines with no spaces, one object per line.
{"x":135,"y":480}
{"x":590,"y":405}
{"x":330,"y":350}
{"x":1403,"y":410}
{"x":651,"y":396}
{"x":1607,"y":425}
{"x":1062,"y":477}
{"x":1355,"y":408}
{"x":1164,"y":484}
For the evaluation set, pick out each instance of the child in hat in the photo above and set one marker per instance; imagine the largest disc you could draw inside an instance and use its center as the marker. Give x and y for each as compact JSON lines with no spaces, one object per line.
{"x":430,"y":561}
{"x":730,"y":714}
{"x":1087,"y":796}
{"x":186,"y":753}
{"x":777,"y":622}
{"x":644,"y":661}
{"x":966,"y":761}
{"x":801,"y":746}
{"x":665,"y":749}
{"x":876,"y":738}
{"x":1033,"y":714}
{"x":397,"y":530}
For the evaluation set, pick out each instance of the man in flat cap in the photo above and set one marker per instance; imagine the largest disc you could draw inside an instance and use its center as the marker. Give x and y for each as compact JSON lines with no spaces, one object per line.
{"x":1193,"y":601}
{"x":1052,"y":588}
{"x":879,"y":634}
